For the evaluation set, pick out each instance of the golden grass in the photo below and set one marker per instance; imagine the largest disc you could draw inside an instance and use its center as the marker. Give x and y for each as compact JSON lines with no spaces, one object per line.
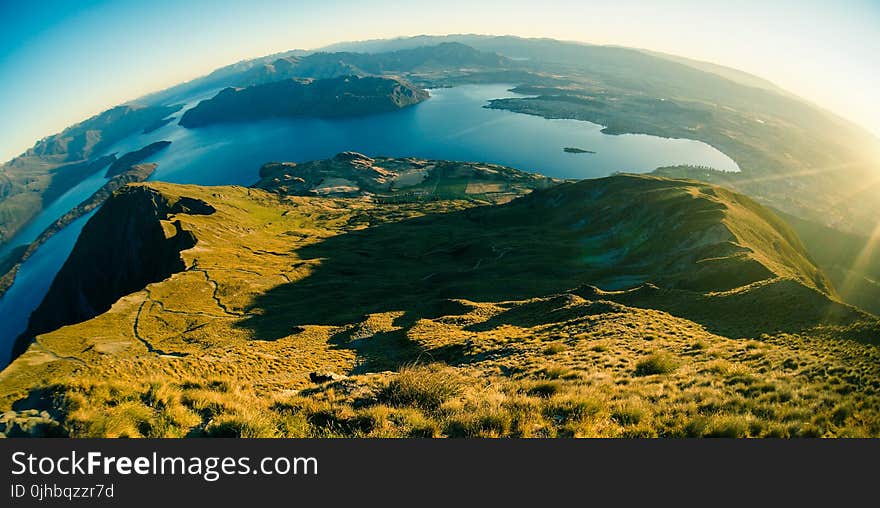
{"x":504,"y":385}
{"x":579,"y":363}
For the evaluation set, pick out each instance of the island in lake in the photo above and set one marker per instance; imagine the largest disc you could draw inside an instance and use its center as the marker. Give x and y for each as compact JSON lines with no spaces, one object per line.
{"x":571,"y":149}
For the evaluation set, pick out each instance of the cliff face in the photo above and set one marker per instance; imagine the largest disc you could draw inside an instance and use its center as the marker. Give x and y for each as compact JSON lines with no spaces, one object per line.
{"x":131,"y":241}
{"x":324,"y":98}
{"x":9,"y":265}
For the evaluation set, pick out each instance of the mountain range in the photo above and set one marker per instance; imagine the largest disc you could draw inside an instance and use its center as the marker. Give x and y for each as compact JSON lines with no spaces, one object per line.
{"x":366,"y":295}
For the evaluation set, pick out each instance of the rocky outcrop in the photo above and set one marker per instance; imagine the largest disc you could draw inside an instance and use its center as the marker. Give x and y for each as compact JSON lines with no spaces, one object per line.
{"x":388,"y":178}
{"x":9,"y":266}
{"x":130,"y":242}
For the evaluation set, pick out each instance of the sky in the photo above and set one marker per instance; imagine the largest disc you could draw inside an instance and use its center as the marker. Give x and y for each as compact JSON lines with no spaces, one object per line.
{"x":63,"y":61}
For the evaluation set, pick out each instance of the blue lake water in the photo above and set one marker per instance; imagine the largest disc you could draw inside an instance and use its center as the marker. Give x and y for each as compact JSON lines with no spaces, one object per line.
{"x":453,"y":125}
{"x":33,"y":281}
{"x":55,"y":210}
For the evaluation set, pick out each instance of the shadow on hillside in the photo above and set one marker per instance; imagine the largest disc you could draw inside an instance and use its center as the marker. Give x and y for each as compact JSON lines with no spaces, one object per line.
{"x":416,"y":266}
{"x":772,"y":307}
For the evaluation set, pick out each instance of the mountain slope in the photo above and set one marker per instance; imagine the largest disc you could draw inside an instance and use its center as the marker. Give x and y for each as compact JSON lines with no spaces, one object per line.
{"x":56,"y":163}
{"x":436,"y":58}
{"x":12,"y":263}
{"x":616,"y":306}
{"x":851,"y":261}
{"x":793,"y":155}
{"x":323,"y":98}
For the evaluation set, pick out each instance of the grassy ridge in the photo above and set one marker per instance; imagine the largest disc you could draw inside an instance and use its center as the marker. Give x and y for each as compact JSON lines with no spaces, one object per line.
{"x":454,"y":317}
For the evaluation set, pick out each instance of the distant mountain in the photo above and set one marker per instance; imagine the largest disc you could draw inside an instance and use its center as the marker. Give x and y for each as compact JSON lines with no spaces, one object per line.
{"x":229,"y":75}
{"x":450,"y":56}
{"x":83,"y":139}
{"x":735,"y":75}
{"x":282,"y":68}
{"x":56,"y":163}
{"x":445,"y":56}
{"x":794,"y":155}
{"x":323,"y":98}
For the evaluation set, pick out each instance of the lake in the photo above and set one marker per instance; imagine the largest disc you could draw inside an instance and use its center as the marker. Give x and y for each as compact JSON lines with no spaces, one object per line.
{"x":452,"y":124}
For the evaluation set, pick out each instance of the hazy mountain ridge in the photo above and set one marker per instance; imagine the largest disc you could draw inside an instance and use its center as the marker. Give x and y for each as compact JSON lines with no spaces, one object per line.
{"x":781,"y":143}
{"x":57,"y":163}
{"x":445,"y":56}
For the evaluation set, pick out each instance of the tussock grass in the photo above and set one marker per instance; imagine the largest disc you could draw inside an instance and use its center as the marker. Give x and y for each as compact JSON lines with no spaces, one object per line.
{"x":425,"y":387}
{"x":657,"y":363}
{"x":630,"y":412}
{"x":544,"y":388}
{"x":554,"y":348}
{"x":502,"y":384}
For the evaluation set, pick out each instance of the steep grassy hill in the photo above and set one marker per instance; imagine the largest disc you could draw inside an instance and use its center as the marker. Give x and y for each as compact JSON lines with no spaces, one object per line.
{"x":623,"y":306}
{"x":851,"y":261}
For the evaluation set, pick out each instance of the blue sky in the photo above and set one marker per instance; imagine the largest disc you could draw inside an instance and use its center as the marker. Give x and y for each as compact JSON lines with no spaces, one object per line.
{"x":62,"y":61}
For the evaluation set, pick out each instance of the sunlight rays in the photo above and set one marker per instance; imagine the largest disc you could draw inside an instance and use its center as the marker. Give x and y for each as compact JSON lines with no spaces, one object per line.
{"x":795,"y":174}
{"x":861,"y":262}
